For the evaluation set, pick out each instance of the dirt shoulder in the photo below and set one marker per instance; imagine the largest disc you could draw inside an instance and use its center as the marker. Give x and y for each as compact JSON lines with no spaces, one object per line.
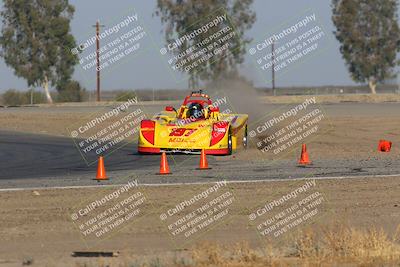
{"x":38,"y":224}
{"x":343,"y":123}
{"x":359,"y":98}
{"x":280,"y":99}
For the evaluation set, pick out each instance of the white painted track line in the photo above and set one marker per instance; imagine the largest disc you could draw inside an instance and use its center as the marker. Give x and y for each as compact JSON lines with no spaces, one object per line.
{"x":201,"y":183}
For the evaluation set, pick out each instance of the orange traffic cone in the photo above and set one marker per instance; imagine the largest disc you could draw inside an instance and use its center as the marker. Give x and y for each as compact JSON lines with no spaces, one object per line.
{"x":384,"y":146}
{"x":101,"y":170}
{"x":203,"y":161}
{"x":304,"y":159}
{"x":164,"y":168}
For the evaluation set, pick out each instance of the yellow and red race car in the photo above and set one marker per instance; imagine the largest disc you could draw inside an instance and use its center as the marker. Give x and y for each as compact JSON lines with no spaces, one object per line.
{"x":196,"y":125}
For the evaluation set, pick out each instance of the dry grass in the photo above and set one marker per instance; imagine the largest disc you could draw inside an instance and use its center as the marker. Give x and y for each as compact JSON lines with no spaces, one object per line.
{"x":345,"y":244}
{"x":335,"y":246}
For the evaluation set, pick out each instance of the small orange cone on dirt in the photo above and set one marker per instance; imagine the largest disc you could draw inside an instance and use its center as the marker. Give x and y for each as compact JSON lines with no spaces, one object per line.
{"x":384,"y":146}
{"x":101,"y":170}
{"x":164,"y":168}
{"x":304,"y":159}
{"x":203,"y":161}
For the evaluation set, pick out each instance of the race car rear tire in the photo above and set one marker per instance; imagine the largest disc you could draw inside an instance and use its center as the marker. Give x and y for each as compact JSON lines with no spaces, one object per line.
{"x":229,"y":143}
{"x":245,"y":140}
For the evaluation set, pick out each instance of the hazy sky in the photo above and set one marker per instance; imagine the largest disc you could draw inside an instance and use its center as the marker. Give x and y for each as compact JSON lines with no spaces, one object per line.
{"x":147,"y":70}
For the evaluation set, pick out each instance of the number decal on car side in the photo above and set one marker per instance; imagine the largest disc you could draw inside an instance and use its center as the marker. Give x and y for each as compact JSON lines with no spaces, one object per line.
{"x":182,"y":131}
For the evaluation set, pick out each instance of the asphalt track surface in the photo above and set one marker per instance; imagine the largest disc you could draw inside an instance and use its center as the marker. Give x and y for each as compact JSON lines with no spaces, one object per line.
{"x":41,"y":161}
{"x":31,"y":160}
{"x":25,"y":156}
{"x":31,"y":156}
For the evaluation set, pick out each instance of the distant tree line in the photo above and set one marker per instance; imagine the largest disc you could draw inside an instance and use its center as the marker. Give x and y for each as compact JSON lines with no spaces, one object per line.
{"x":36,"y":39}
{"x":367,"y":30}
{"x":36,"y":42}
{"x":182,"y":16}
{"x":369,"y":37}
{"x":72,"y":93}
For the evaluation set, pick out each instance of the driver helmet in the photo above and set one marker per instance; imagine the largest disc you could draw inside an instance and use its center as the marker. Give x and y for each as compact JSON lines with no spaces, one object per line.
{"x":196,"y":111}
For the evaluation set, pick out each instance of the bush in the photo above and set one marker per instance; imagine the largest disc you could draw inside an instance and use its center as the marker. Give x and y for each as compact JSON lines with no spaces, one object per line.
{"x":13,"y":97}
{"x":72,"y":92}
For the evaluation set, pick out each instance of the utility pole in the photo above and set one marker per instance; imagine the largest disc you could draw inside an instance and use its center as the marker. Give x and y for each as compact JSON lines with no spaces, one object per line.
{"x":398,"y":84}
{"x":32,"y":96}
{"x":98,"y":57}
{"x":273,"y":67}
